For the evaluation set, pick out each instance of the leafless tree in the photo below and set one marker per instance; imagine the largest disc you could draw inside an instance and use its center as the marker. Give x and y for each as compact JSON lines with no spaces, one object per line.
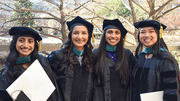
{"x":63,"y":10}
{"x":58,"y":13}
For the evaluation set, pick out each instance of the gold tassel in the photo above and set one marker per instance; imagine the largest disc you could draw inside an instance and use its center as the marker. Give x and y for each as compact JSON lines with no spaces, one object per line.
{"x":160,"y":32}
{"x":39,"y":48}
{"x":124,"y":40}
{"x":93,"y":39}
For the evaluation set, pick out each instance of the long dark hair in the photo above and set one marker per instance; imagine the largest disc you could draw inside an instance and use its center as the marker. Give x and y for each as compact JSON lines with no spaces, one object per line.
{"x":121,"y":64}
{"x":13,"y":70}
{"x":155,"y":48}
{"x":69,"y":55}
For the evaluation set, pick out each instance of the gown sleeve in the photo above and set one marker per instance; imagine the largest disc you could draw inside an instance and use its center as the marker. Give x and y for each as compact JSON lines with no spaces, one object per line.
{"x":3,"y":83}
{"x":55,"y":59}
{"x":3,"y":79}
{"x":170,"y":81}
{"x":132,"y":63}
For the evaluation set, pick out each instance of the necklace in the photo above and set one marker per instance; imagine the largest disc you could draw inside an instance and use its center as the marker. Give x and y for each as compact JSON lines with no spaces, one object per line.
{"x":113,"y":56}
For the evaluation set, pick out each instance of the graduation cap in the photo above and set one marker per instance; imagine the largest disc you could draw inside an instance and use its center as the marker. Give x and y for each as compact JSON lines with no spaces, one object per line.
{"x":4,"y":96}
{"x":80,"y":21}
{"x":25,"y":31}
{"x":151,"y":23}
{"x":115,"y":23}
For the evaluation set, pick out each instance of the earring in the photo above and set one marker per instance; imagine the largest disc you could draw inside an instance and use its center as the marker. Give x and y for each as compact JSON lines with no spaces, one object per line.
{"x":87,"y":45}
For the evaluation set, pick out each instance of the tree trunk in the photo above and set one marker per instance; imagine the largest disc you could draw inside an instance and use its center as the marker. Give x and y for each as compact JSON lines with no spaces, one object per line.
{"x":63,"y":31}
{"x":62,"y":21}
{"x":151,"y":7}
{"x":134,"y":19}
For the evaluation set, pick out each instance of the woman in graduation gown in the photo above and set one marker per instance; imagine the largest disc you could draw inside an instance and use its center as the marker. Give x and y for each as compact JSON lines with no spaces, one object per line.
{"x":113,"y":64}
{"x":23,"y":52}
{"x":73,"y":63}
{"x":157,"y":69}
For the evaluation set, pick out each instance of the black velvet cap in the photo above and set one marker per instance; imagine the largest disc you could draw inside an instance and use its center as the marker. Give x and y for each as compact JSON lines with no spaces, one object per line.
{"x":110,"y":23}
{"x":24,"y":31}
{"x":80,"y":21}
{"x":148,"y":23}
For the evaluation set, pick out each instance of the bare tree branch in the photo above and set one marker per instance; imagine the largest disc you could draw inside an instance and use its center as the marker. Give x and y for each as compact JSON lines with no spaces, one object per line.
{"x":40,"y":12}
{"x":173,"y":29}
{"x":91,"y":11}
{"x":167,"y":12}
{"x":25,"y":19}
{"x":48,"y":28}
{"x":151,"y":4}
{"x":50,"y":35}
{"x":5,"y":9}
{"x":97,"y":2}
{"x":53,"y":3}
{"x":97,"y":26}
{"x":134,"y":19}
{"x":24,"y":9}
{"x":6,"y":5}
{"x":3,"y":34}
{"x":77,"y":7}
{"x":140,"y":6}
{"x":162,"y":7}
{"x":132,"y":11}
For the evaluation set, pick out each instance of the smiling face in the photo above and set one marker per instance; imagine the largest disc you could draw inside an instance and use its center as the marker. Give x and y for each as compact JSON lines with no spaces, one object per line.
{"x":113,"y":36}
{"x":80,"y":36}
{"x":148,"y":36}
{"x":25,"y":45}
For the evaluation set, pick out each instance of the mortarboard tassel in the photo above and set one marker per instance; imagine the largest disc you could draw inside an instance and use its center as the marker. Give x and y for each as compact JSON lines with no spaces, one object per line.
{"x":160,"y":32}
{"x":93,"y":39}
{"x":39,"y":48}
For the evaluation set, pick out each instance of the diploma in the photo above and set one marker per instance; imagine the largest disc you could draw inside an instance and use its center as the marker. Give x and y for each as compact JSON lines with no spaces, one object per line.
{"x":34,"y":82}
{"x":152,"y":96}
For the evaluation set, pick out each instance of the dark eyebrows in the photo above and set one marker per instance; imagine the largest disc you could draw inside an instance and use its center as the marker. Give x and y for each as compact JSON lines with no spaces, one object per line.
{"x":109,"y":31}
{"x":31,"y":39}
{"x":79,"y":31}
{"x":24,"y":38}
{"x":21,"y":38}
{"x":151,"y":29}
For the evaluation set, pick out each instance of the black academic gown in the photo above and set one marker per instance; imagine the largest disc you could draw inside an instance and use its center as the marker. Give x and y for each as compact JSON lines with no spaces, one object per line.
{"x":4,"y":78}
{"x":74,"y":84}
{"x":112,"y":89}
{"x":156,"y":74}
